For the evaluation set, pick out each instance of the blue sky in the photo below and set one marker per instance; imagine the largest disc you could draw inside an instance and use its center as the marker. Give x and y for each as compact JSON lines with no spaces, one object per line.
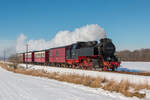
{"x":127,"y":22}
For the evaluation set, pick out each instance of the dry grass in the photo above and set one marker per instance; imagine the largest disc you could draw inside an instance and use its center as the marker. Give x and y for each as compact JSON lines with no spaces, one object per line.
{"x":109,"y":85}
{"x":96,"y":82}
{"x":141,"y":86}
{"x":122,"y":87}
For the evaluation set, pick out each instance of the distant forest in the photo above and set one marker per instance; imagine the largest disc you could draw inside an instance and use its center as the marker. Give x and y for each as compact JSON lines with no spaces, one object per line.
{"x":136,"y":55}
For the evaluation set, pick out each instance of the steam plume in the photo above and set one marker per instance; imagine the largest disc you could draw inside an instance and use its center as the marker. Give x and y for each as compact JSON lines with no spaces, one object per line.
{"x":85,"y":33}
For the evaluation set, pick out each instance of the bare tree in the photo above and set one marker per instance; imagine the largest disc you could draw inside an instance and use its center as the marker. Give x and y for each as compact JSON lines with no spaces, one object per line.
{"x":136,"y":55}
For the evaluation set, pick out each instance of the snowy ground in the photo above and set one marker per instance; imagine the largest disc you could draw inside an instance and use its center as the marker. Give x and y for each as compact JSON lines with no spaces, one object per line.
{"x":21,"y":87}
{"x":135,"y":66}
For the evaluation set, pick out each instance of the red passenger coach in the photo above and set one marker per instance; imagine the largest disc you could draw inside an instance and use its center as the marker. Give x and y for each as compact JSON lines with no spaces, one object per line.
{"x":29,"y":57}
{"x":41,"y":56}
{"x":57,"y":55}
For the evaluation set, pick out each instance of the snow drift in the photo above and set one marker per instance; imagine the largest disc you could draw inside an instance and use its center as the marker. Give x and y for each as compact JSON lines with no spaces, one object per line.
{"x":85,"y":33}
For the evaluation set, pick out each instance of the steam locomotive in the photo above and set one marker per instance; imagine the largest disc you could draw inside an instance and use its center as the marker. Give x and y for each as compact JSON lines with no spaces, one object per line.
{"x":83,"y":55}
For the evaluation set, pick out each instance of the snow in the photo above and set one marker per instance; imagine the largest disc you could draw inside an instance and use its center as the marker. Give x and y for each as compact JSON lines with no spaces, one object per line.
{"x":31,"y":88}
{"x":135,"y":66}
{"x":21,"y":87}
{"x":136,"y":79}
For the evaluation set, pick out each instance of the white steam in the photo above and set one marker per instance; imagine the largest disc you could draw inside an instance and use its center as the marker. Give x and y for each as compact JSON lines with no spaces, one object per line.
{"x":62,"y":38}
{"x":21,"y":43}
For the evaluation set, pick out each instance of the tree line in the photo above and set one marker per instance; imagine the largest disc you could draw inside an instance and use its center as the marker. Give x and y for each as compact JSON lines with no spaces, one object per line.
{"x":136,"y":55}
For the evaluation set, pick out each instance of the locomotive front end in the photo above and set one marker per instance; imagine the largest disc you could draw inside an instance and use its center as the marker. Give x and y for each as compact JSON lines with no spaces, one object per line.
{"x":107,"y":51}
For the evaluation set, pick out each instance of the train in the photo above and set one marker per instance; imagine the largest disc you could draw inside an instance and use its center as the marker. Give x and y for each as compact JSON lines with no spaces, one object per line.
{"x":82,"y":55}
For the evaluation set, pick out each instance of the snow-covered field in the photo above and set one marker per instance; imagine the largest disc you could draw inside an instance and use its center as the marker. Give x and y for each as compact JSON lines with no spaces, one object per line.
{"x":135,"y":66}
{"x":21,"y":87}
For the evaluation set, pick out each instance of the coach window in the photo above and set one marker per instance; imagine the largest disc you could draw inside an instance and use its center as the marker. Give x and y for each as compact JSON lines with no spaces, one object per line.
{"x":38,"y":55}
{"x":43,"y":54}
{"x":56,"y":53}
{"x":29,"y":55}
{"x":50,"y":54}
